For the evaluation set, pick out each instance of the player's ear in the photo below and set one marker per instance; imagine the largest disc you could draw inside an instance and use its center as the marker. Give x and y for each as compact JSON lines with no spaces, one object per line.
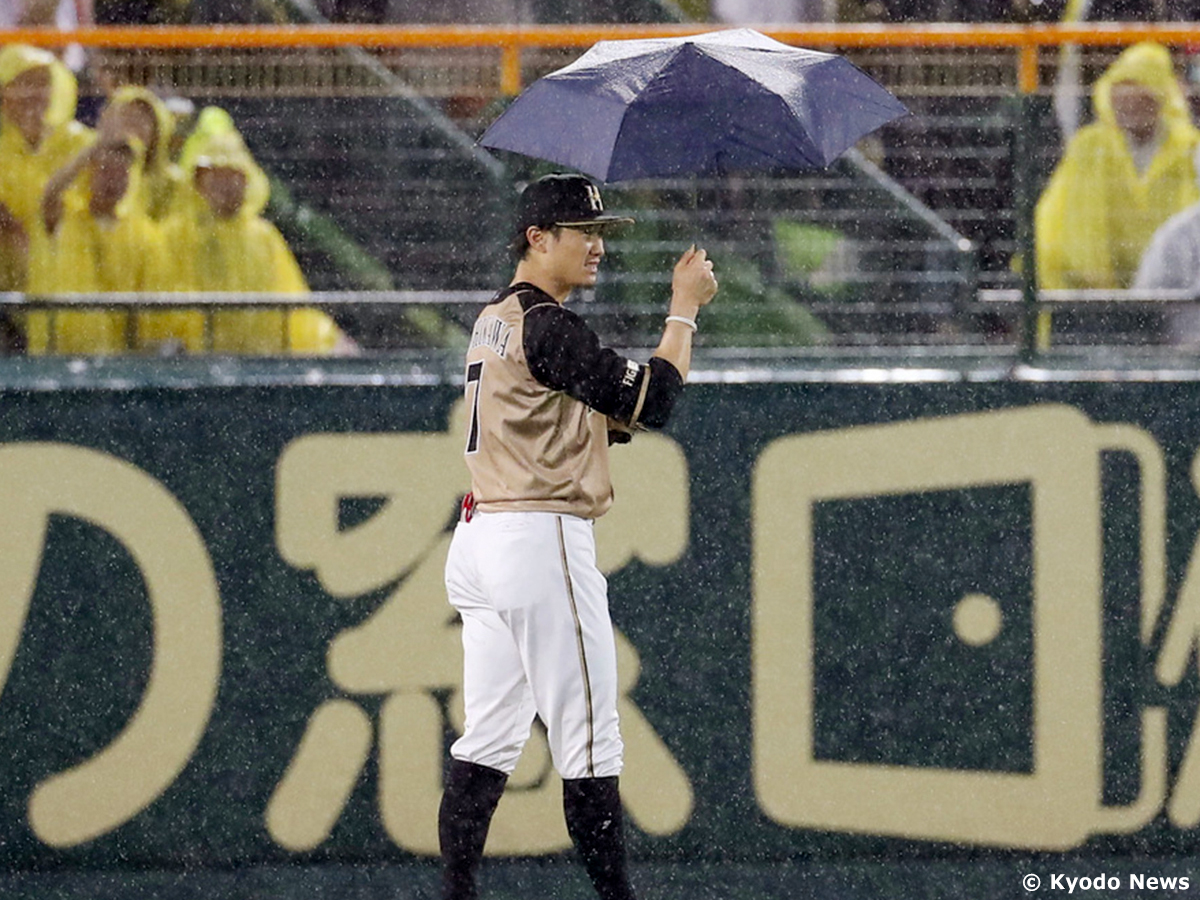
{"x":538,"y":238}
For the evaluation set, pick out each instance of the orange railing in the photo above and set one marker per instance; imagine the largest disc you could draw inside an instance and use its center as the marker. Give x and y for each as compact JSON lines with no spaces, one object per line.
{"x":512,"y":40}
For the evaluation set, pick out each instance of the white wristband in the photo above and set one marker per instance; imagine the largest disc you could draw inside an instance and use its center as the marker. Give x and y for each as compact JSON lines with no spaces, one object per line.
{"x":683,"y":320}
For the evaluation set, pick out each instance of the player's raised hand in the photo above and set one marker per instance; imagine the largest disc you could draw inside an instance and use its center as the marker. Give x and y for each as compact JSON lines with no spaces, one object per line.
{"x":693,"y":282}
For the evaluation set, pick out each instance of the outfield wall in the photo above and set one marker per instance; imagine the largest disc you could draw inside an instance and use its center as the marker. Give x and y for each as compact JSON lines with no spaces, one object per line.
{"x":893,"y":623}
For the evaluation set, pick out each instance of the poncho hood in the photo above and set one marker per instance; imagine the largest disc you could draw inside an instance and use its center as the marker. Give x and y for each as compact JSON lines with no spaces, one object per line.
{"x":163,"y":119}
{"x":216,"y":143}
{"x":1147,"y":64}
{"x":16,"y":59}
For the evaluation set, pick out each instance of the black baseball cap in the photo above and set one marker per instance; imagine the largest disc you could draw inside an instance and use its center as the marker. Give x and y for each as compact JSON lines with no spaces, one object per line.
{"x":564,"y":200}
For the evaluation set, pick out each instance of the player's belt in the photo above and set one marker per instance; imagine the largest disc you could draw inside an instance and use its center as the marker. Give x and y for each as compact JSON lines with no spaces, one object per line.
{"x":468,"y":506}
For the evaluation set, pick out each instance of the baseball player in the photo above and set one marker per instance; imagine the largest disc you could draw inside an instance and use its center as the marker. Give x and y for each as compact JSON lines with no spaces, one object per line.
{"x":545,"y":400}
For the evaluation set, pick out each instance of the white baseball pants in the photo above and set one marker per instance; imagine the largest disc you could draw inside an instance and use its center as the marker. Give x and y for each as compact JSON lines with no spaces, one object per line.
{"x":537,"y":639}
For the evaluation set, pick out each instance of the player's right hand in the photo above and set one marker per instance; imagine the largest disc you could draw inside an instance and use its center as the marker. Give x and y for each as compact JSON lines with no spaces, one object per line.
{"x":693,"y":282}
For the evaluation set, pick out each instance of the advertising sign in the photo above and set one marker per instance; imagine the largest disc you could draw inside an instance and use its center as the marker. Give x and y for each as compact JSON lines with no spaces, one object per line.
{"x":853,"y":621}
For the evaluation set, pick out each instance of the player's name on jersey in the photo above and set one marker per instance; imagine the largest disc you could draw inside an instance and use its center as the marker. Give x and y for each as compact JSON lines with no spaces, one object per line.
{"x":492,"y":332}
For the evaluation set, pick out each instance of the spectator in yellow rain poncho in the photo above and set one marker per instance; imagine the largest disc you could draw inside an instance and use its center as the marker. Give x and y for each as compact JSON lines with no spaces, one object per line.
{"x":1120,"y":177}
{"x":143,"y":115}
{"x":96,"y":240}
{"x":219,"y":241}
{"x":38,"y":135}
{"x":101,"y":238}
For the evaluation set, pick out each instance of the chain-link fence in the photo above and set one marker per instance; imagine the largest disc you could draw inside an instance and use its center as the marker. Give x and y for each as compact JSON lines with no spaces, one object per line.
{"x":914,"y":240}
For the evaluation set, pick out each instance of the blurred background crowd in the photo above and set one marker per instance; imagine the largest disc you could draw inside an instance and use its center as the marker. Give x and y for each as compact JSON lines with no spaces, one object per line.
{"x":110,"y":186}
{"x":154,"y":198}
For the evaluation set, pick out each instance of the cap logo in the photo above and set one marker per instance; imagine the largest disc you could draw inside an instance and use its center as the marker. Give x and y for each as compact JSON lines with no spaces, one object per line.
{"x":593,"y":198}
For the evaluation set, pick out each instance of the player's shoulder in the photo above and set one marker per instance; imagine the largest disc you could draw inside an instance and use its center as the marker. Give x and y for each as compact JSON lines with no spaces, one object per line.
{"x":541,"y":313}
{"x":528,"y":296}
{"x":515,"y":300}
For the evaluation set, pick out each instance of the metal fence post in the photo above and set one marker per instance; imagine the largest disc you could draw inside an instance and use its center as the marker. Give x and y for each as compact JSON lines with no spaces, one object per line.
{"x":1023,"y":176}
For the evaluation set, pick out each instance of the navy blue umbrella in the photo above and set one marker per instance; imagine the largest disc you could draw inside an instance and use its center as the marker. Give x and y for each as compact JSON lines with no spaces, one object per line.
{"x":727,"y":101}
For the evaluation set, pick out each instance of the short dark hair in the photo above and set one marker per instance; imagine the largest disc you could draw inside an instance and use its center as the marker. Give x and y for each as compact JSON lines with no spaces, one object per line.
{"x":518,"y":247}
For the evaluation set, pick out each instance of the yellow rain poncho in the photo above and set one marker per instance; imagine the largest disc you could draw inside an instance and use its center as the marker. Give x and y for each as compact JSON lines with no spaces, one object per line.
{"x":243,"y":253}
{"x":161,"y":178}
{"x":25,"y":169}
{"x":1098,"y":213}
{"x":90,"y":256}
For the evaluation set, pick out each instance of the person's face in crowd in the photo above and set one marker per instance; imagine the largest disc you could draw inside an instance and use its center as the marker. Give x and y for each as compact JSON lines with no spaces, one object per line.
{"x":138,"y":120}
{"x":25,"y":101}
{"x":1137,"y":109}
{"x":109,"y":179}
{"x":224,"y":188}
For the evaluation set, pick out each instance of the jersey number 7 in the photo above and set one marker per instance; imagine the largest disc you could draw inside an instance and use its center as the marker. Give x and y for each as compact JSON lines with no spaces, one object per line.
{"x":474,"y":376}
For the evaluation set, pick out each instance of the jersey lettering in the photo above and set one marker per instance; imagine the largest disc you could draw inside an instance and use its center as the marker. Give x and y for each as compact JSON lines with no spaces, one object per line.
{"x":632,"y":371}
{"x":491,"y":332}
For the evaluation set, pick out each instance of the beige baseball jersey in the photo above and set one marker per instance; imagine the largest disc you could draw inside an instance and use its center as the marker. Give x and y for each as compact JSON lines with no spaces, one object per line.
{"x":540,"y":390}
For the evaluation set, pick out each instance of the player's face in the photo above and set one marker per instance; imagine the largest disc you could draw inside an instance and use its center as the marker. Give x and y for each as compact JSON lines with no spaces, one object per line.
{"x":577,"y":252}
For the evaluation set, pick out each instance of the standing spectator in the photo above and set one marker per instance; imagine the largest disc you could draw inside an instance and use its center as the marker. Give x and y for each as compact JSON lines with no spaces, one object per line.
{"x":145,"y":116}
{"x":1120,"y":177}
{"x":95,"y":241}
{"x":221,"y":242}
{"x":38,"y":135}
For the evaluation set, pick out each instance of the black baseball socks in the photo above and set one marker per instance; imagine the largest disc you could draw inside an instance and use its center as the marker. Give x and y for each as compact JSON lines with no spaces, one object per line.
{"x":468,"y":801}
{"x":592,"y":807}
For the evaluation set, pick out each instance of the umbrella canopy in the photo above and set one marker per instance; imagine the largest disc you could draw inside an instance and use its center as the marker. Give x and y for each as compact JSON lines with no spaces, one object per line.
{"x":727,"y":101}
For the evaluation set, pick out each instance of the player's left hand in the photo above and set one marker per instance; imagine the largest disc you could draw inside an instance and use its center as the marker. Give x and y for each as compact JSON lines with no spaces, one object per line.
{"x":693,"y":283}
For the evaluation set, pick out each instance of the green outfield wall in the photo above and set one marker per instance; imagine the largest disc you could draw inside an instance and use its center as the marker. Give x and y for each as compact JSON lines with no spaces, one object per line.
{"x":948,"y":624}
